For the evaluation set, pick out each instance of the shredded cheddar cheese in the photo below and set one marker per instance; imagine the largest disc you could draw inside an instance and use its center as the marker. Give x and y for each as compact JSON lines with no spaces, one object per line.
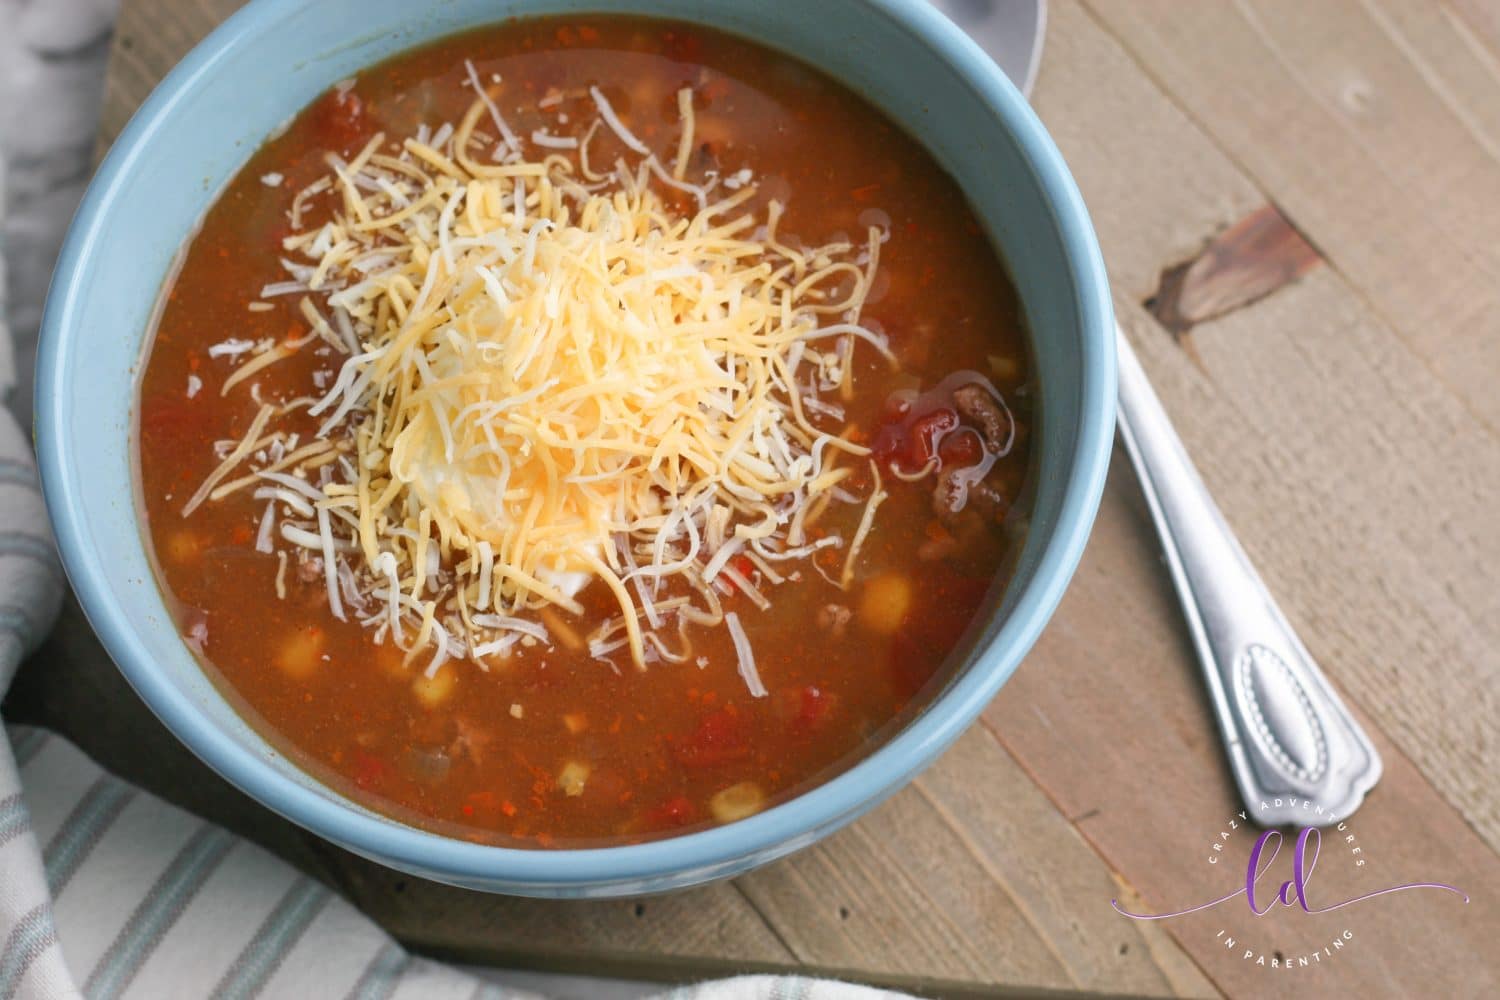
{"x":553,"y":376}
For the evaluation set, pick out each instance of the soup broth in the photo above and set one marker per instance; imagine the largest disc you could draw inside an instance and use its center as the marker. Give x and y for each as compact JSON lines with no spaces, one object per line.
{"x":444,"y":689}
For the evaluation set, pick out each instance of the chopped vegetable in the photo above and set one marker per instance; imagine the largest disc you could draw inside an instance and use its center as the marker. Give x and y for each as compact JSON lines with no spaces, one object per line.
{"x":737,"y":801}
{"x":301,"y":651}
{"x":885,"y":603}
{"x":434,"y":690}
{"x":572,"y":777}
{"x":183,"y":546}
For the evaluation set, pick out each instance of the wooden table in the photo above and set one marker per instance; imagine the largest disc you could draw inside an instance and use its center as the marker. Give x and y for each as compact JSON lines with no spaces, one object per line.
{"x":1300,"y":204}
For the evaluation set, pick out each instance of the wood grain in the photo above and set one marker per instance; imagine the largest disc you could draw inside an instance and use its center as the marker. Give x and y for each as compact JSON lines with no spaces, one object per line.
{"x":1345,"y":417}
{"x":1370,"y":141}
{"x":1242,"y":265}
{"x":1369,"y":147}
{"x":1279,"y":415}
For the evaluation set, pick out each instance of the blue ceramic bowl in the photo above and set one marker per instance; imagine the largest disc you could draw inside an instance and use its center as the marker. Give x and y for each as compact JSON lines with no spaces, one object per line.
{"x":272,"y":58}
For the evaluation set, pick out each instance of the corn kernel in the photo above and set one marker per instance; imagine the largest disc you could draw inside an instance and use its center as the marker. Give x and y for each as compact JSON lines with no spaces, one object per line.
{"x":433,"y":691}
{"x":572,"y":777}
{"x":737,"y":802}
{"x":301,"y":652}
{"x":886,"y":603}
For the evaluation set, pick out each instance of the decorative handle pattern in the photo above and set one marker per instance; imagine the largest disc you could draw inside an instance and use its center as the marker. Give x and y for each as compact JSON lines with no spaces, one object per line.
{"x":1297,"y":754}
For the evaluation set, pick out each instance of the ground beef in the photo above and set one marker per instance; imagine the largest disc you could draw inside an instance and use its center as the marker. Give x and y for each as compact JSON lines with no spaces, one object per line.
{"x":978,"y":407}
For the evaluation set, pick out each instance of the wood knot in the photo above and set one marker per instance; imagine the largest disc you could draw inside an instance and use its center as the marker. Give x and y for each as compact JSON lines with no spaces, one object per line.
{"x":1246,"y":262}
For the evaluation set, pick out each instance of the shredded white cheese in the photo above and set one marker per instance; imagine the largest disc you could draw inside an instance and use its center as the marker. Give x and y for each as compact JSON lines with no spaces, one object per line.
{"x":745,"y":655}
{"x":233,"y":347}
{"x":607,"y":112}
{"x":267,"y":525}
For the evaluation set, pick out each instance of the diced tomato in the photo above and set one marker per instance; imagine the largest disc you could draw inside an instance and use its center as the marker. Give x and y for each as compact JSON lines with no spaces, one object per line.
{"x":719,"y":739}
{"x":483,"y":806}
{"x":368,"y":770}
{"x":891,"y":443}
{"x":815,"y":705}
{"x":911,"y":445}
{"x":339,"y":119}
{"x":744,"y":567}
{"x":927,"y":432}
{"x":812,"y":706}
{"x":676,"y":811}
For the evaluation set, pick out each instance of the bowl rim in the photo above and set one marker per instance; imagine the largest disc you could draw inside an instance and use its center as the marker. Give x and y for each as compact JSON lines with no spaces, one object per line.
{"x":673,"y":860}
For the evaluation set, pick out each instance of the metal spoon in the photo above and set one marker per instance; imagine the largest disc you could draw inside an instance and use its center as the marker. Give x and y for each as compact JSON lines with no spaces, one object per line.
{"x":1297,"y":754}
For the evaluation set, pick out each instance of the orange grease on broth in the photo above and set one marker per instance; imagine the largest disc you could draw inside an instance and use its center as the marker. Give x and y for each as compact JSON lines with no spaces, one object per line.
{"x":659,"y":743}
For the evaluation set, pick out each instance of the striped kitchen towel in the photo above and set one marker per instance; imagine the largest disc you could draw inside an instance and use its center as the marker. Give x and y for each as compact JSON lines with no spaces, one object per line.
{"x":106,"y":891}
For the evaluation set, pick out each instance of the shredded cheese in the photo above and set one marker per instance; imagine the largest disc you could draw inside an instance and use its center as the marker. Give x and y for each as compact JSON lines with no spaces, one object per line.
{"x":745,"y":655}
{"x":866,"y":522}
{"x":550,"y":376}
{"x":685,"y":141}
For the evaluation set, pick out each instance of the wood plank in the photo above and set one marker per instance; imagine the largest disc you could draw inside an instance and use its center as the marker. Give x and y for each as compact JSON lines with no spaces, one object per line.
{"x":149,"y":40}
{"x":1399,"y":467}
{"x":1322,"y":495}
{"x":983,"y":797}
{"x":1135,"y":766}
{"x":952,"y":871}
{"x":1378,"y":148}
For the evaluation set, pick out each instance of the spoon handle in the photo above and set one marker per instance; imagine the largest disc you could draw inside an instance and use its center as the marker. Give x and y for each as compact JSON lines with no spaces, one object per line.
{"x":1297,"y":754}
